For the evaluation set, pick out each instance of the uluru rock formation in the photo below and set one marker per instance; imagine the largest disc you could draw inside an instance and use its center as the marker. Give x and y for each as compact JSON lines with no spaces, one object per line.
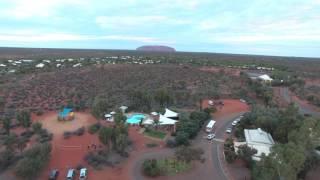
{"x":156,"y":49}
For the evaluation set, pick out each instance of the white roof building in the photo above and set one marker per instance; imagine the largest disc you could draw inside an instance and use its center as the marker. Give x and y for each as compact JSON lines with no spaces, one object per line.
{"x":162,"y":121}
{"x":259,"y":140}
{"x":265,"y":78}
{"x":170,"y":114}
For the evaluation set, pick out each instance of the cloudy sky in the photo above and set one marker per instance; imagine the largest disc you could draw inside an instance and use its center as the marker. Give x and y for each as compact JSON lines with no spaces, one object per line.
{"x":270,"y":27}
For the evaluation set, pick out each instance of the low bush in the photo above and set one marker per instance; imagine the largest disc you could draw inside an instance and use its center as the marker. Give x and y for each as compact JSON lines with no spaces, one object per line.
{"x":151,"y":145}
{"x":94,"y":128}
{"x":6,"y":159}
{"x":67,"y":134}
{"x":27,"y":134}
{"x":150,"y":168}
{"x":171,"y":143}
{"x":96,"y":160}
{"x":79,"y":132}
{"x":39,"y":112}
{"x":36,"y":127}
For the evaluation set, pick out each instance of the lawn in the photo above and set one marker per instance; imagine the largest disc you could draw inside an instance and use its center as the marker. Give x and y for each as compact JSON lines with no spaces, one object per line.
{"x":155,"y":134}
{"x":172,"y":166}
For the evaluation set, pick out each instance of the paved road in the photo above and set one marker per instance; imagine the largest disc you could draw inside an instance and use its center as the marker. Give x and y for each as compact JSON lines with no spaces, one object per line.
{"x":217,"y":146}
{"x":303,"y":109}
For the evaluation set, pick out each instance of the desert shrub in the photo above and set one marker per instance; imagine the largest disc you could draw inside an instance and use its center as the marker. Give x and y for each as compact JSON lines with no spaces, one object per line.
{"x":6,"y":159}
{"x":67,"y":134}
{"x":44,"y":136}
{"x":171,"y":143}
{"x":96,"y":160}
{"x":39,"y":112}
{"x":79,"y":132}
{"x":151,"y":168}
{"x":27,"y":134}
{"x":151,"y":145}
{"x":36,"y":127}
{"x":94,"y":128}
{"x":188,"y":154}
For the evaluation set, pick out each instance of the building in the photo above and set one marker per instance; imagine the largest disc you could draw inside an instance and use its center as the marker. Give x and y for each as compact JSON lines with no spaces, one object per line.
{"x":171,"y":114}
{"x":260,"y":77}
{"x":259,"y":140}
{"x":265,"y":78}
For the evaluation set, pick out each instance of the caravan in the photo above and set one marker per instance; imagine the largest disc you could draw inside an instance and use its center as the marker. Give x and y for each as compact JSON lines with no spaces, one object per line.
{"x":210,"y":126}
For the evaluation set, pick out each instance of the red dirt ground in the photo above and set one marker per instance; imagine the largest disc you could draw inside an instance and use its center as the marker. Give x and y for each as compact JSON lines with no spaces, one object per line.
{"x":70,"y":152}
{"x":230,"y":106}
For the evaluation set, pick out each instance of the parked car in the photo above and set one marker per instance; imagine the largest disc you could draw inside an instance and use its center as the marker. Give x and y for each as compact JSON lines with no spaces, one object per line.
{"x":211,"y":136}
{"x":229,"y":130}
{"x":53,"y":174}
{"x":210,"y":102}
{"x":242,"y":100}
{"x":71,"y":173}
{"x":83,"y":174}
{"x":235,"y":122}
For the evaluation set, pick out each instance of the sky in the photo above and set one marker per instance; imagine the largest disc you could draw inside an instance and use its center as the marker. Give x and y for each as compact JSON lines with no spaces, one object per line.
{"x":266,"y":27}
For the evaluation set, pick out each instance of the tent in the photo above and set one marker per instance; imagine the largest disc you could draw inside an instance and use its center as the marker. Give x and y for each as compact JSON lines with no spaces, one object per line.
{"x":66,"y":114}
{"x":171,"y":114}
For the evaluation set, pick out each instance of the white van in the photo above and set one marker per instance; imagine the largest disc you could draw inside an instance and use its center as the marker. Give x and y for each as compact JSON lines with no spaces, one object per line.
{"x":210,"y":126}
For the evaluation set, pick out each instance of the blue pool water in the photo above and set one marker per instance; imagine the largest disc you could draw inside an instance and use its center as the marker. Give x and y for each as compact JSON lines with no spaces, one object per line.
{"x":135,"y":118}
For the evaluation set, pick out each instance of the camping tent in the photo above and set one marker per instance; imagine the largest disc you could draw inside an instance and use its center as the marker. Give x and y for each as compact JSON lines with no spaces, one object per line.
{"x":66,"y":114}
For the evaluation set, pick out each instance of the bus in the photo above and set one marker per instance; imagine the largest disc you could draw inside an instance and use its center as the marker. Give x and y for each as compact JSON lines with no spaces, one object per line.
{"x":210,"y":126}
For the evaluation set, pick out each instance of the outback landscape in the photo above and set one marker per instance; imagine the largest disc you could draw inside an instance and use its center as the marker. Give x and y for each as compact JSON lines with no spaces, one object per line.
{"x":119,"y":114}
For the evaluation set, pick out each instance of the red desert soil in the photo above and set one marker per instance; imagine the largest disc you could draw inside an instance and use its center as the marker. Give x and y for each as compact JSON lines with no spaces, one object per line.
{"x":231,"y":106}
{"x":70,"y":152}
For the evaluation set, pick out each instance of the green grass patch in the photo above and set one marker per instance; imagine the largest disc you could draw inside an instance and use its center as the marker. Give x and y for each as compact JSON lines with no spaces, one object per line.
{"x":171,"y":167}
{"x":155,"y":134}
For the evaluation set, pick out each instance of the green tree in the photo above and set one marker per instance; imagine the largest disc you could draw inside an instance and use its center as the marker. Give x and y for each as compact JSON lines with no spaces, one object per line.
{"x":24,"y":118}
{"x":105,"y":135}
{"x":182,"y":138}
{"x":229,"y":150}
{"x":33,"y":161}
{"x":99,"y":107}
{"x":37,"y":127}
{"x":245,"y":152}
{"x":10,"y":141}
{"x":163,"y":97}
{"x":121,"y":143}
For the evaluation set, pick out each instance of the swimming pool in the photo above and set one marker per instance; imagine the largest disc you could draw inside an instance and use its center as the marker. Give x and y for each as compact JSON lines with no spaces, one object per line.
{"x":135,"y":118}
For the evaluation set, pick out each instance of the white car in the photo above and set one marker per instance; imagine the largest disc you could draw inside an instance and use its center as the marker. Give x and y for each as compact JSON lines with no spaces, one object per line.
{"x":210,"y":103}
{"x":235,"y":122}
{"x":211,"y":136}
{"x":229,"y":130}
{"x":242,"y":100}
{"x":83,"y":174}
